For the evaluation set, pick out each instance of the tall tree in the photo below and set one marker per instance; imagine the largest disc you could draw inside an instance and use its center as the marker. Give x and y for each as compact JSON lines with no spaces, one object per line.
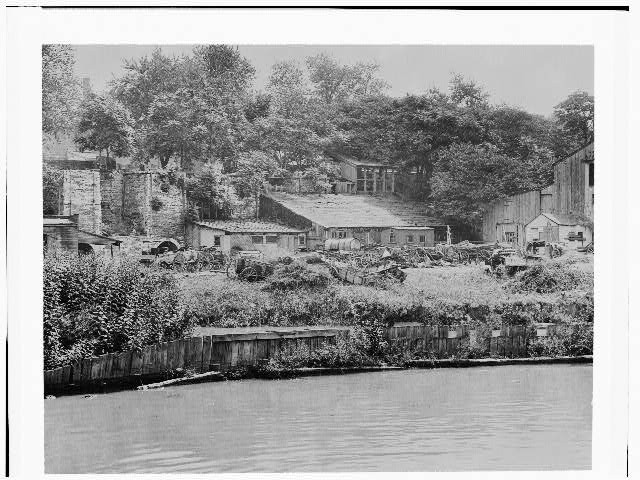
{"x":334,"y":82}
{"x":61,"y":92}
{"x":466,"y":176}
{"x":105,"y":125}
{"x":254,"y":168}
{"x":575,"y":116}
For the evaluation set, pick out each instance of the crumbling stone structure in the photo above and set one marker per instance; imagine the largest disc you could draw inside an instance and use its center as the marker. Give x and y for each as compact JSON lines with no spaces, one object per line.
{"x":116,"y":202}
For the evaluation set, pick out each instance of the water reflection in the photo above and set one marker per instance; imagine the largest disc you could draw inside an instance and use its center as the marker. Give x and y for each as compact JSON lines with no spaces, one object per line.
{"x":511,"y":417}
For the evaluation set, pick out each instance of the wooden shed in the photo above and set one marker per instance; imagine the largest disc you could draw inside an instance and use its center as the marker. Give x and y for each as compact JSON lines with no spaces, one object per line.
{"x":61,"y":233}
{"x":568,"y":230}
{"x":273,"y":239}
{"x":368,"y":218}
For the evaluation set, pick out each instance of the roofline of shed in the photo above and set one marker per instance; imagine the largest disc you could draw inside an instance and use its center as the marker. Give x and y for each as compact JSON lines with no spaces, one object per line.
{"x":573,"y":153}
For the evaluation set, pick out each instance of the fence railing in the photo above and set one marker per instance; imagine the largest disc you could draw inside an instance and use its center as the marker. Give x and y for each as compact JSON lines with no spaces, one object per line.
{"x":222,"y":352}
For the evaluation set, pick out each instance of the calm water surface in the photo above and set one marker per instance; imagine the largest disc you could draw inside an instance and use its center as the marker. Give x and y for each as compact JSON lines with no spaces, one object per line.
{"x":508,"y":417}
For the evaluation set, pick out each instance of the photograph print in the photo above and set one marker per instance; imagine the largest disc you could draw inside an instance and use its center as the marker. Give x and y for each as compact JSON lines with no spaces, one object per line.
{"x":277,"y":258}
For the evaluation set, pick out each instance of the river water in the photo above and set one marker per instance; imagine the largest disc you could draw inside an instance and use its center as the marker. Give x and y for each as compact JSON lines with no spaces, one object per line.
{"x":494,"y":418}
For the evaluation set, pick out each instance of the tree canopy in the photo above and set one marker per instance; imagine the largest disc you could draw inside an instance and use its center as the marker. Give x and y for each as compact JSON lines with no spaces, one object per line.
{"x":459,"y":149}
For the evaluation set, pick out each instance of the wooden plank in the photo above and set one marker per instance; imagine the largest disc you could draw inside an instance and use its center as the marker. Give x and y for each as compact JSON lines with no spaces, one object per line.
{"x":148,"y":358}
{"x":85,"y":375}
{"x":162,"y":357}
{"x":220,"y":354}
{"x":206,"y":353}
{"x":194,"y":360}
{"x":136,"y":362}
{"x":182,"y":349}
{"x":76,"y":372}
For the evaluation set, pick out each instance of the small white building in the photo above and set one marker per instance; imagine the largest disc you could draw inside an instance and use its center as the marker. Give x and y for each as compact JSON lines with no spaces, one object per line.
{"x":271,"y":238}
{"x":557,"y":228}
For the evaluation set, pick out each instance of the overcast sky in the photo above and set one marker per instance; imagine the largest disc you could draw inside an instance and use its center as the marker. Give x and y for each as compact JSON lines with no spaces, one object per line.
{"x":532,"y":77}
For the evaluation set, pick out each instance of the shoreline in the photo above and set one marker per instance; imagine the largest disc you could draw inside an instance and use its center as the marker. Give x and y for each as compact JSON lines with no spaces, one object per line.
{"x":423,"y":364}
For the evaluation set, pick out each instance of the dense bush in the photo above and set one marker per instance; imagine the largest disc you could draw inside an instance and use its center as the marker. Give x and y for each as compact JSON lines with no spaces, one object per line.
{"x":93,"y":307}
{"x":569,"y":340}
{"x":346,"y":352}
{"x":296,"y":275}
{"x":547,"y":278}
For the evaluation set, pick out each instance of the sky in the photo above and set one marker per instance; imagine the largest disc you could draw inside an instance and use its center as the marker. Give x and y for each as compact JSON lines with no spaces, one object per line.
{"x":535,"y":78}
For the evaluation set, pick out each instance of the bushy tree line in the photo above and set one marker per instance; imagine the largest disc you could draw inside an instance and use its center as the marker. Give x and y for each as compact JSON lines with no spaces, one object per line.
{"x":201,"y":109}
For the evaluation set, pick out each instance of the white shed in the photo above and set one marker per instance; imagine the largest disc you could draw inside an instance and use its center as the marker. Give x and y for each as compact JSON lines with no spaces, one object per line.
{"x":566,"y":229}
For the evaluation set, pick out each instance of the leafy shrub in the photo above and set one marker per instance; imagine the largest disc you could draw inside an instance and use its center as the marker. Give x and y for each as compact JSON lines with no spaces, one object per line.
{"x":294,"y":276}
{"x":92,"y":307}
{"x":547,"y":278}
{"x":156,"y":204}
{"x":314,"y":259}
{"x":569,"y":340}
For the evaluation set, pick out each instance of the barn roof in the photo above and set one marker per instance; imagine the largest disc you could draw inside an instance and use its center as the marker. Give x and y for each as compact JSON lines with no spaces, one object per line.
{"x":357,"y":211}
{"x":247,"y":226}
{"x":563,"y":219}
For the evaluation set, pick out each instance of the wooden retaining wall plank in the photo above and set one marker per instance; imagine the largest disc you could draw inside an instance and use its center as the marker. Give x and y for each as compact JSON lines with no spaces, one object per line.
{"x":206,"y":354}
{"x":194,"y":358}
{"x":136,"y":362}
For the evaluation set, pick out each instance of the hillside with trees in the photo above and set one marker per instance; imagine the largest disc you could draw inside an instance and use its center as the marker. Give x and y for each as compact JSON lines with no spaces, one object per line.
{"x":197,"y":111}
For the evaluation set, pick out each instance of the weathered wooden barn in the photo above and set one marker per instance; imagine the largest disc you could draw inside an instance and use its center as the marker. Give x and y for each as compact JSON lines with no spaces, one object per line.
{"x":371,"y":219}
{"x":61,"y":233}
{"x":272,"y":239}
{"x":571,"y":193}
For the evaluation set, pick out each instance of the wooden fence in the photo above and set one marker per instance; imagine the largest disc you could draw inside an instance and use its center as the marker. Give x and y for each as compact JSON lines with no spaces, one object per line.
{"x":196,"y":354}
{"x":227,"y":351}
{"x":445,"y":341}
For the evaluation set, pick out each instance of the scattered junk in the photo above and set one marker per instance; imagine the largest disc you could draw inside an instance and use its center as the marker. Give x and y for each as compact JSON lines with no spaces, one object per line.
{"x":376,"y":276}
{"x":586,"y":249}
{"x":510,"y":260}
{"x":250,"y":268}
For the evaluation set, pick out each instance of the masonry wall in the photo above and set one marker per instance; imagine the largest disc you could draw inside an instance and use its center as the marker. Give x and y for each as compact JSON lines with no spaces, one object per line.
{"x":112,"y":202}
{"x":81,"y":195}
{"x":152,"y":205}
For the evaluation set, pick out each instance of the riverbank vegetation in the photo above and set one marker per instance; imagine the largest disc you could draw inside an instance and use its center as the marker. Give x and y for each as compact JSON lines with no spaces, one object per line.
{"x":93,"y":307}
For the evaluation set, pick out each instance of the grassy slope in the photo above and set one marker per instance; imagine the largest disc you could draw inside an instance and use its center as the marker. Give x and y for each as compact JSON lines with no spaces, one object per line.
{"x":218,"y":301}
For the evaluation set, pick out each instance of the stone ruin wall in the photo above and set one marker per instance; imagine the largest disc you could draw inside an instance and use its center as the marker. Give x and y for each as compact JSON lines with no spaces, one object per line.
{"x":114,"y":202}
{"x":81,"y":195}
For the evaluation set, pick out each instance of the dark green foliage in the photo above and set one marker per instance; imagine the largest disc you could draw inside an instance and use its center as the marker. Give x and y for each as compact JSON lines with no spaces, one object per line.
{"x":51,"y":189}
{"x":569,"y":340}
{"x":93,"y":307}
{"x":156,"y":204}
{"x":547,"y":278}
{"x":294,"y":276}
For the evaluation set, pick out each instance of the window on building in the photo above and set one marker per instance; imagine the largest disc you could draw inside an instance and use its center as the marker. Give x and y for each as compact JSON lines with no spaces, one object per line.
{"x":216,"y":241}
{"x":392,"y":237}
{"x":256,"y":239}
{"x":333,"y":234}
{"x":509,"y":236}
{"x":342,"y":234}
{"x":409,"y":238}
{"x":301,"y":240}
{"x":271,"y":239}
{"x":591,"y":174}
{"x":423,"y":238}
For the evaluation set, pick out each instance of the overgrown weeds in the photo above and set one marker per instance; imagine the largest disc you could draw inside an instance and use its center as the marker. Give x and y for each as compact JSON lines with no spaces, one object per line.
{"x":92,"y":306}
